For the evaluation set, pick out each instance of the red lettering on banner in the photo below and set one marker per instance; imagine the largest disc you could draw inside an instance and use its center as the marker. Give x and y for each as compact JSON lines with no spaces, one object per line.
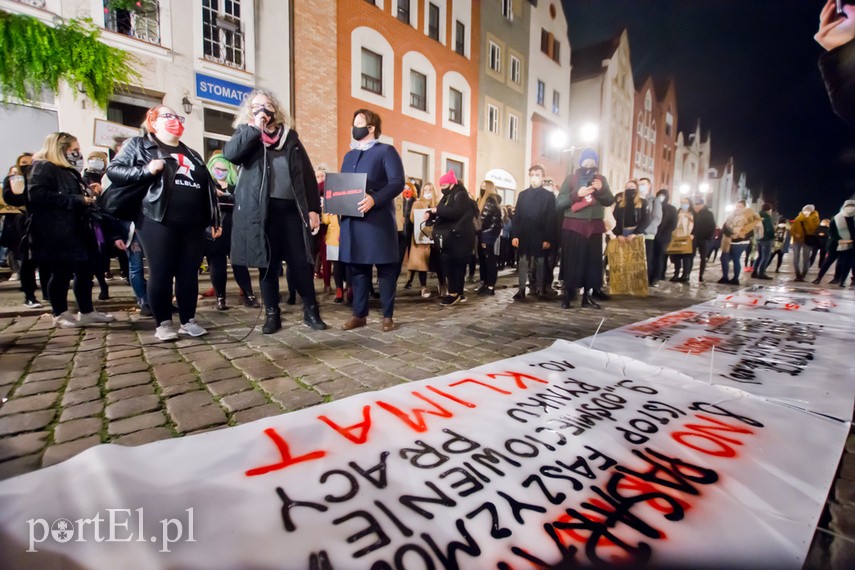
{"x":707,"y":433}
{"x":630,"y":483}
{"x":364,"y":426}
{"x":285,"y":452}
{"x":716,"y":320}
{"x":473,"y":381}
{"x":452,"y":398}
{"x":698,"y":345}
{"x":663,"y":322}
{"x":518,"y":378}
{"x":418,"y":424}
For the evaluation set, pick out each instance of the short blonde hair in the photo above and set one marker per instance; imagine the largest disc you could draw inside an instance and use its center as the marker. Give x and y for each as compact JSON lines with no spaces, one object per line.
{"x":54,"y":148}
{"x":244,"y":113}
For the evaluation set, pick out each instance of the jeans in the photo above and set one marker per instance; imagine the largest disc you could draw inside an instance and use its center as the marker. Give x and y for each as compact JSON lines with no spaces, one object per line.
{"x":801,"y":258}
{"x":764,"y":249}
{"x":136,"y":271}
{"x":736,"y":251}
{"x":523,"y":268}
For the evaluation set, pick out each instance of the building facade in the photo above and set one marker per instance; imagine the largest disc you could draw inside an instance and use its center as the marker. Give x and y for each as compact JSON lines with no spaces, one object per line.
{"x":548,"y":88}
{"x":414,"y":62}
{"x":604,"y":95}
{"x":201,"y":58}
{"x":655,"y":133}
{"x":691,"y":163}
{"x":503,"y":120}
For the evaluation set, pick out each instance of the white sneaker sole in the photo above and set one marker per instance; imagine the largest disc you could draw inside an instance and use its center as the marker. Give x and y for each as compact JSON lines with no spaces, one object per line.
{"x":166,"y":337}
{"x":194,"y":335}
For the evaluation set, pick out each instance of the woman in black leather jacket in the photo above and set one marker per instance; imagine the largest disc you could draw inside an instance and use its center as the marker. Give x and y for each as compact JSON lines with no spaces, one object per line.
{"x":491,"y":228}
{"x":180,"y":202}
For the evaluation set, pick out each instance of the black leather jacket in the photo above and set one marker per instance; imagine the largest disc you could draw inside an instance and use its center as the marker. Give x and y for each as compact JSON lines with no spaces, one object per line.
{"x":130,"y":168}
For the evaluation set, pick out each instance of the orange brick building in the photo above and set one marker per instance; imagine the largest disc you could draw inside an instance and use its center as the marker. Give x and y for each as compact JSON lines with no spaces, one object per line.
{"x":654,"y":137}
{"x":414,"y":63}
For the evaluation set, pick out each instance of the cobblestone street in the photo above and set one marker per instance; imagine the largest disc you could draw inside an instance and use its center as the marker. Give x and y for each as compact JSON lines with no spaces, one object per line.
{"x":65,"y":390}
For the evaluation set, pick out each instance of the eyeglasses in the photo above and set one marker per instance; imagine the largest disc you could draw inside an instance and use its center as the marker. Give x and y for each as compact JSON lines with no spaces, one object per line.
{"x":257,"y":107}
{"x":170,"y":116}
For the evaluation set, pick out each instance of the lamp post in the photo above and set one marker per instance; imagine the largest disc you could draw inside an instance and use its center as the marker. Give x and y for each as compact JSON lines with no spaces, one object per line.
{"x":588,"y":134}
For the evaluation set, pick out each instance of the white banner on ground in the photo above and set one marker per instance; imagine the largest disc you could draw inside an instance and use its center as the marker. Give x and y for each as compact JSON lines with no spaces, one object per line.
{"x":563,"y":454}
{"x":775,"y":343}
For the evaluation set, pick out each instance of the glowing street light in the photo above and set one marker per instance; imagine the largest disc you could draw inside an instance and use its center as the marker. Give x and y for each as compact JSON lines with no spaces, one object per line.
{"x":589,"y":133}
{"x":558,"y":139}
{"x":684,"y":189}
{"x":704,"y":188}
{"x":729,"y":208}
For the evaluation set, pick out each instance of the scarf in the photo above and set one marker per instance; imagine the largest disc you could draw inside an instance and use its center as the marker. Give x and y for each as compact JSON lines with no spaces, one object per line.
{"x":274,"y":139}
{"x":355,"y":145}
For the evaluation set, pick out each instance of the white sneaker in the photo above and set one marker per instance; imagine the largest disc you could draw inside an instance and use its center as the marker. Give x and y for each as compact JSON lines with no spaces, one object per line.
{"x":65,"y":320}
{"x":166,"y":331}
{"x":425,"y":293}
{"x":14,"y":277}
{"x":191,"y":328}
{"x":94,"y":318}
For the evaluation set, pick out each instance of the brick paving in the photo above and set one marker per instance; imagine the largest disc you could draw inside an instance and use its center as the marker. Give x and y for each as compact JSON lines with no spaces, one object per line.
{"x":65,"y":390}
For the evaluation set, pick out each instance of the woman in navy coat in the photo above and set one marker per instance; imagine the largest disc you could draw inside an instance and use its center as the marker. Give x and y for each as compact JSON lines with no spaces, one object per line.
{"x":372,"y":239}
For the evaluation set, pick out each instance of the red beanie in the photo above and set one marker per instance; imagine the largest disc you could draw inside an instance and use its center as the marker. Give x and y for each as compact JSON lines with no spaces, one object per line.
{"x":448,"y":178}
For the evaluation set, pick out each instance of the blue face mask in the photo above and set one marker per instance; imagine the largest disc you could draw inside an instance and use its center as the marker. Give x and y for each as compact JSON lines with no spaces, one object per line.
{"x":684,"y":207}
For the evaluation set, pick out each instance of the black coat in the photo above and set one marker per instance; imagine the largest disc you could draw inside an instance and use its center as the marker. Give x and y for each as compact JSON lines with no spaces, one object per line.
{"x":15,"y":225}
{"x":704,"y":227}
{"x":838,"y":71}
{"x":454,"y":217}
{"x":491,"y":220}
{"x":535,"y":221}
{"x":60,"y":226}
{"x":667,"y":225}
{"x":252,"y":193}
{"x":129,"y":170}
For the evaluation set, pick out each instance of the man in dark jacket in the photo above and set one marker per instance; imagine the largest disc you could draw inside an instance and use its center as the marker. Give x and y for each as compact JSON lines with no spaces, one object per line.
{"x":702,"y":233}
{"x":837,"y":35}
{"x":663,"y":234}
{"x":533,"y":231}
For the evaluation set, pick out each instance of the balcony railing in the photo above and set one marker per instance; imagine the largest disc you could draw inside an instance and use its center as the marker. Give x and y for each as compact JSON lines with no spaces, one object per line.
{"x":142,"y":23}
{"x":34,"y":3}
{"x":372,"y":84}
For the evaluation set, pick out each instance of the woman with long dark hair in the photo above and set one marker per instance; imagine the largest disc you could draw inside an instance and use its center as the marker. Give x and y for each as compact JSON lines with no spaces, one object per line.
{"x":180,"y":202}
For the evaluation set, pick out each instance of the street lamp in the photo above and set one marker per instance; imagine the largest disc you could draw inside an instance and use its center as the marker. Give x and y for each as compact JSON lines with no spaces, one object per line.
{"x":558,"y":139}
{"x":589,"y":133}
{"x":704,"y":188}
{"x":187,"y":105}
{"x":685,"y":189}
{"x":729,"y":208}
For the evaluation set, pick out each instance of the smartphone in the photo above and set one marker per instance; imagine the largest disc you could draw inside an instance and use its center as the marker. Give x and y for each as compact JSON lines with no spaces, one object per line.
{"x":840,"y":4}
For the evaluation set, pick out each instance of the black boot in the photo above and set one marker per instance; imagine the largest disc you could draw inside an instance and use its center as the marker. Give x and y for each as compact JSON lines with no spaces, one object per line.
{"x":272,"y":321}
{"x":588,"y":302}
{"x":312,"y":317}
{"x":600,"y":295}
{"x":251,"y":302}
{"x":292,"y":298}
{"x":221,"y":303}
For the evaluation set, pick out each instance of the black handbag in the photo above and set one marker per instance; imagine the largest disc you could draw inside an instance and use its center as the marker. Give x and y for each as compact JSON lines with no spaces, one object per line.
{"x":124,"y":202}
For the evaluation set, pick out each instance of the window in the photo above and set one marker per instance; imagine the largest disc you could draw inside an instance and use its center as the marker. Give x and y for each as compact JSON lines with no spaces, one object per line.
{"x":460,"y":38}
{"x":418,"y":90}
{"x":222,"y":37}
{"x":556,"y":102}
{"x":508,"y":9}
{"x":455,"y":106}
{"x":516,"y":70}
{"x":372,"y":71}
{"x":541,"y":93}
{"x":669,"y":123}
{"x":513,"y":127}
{"x":544,"y":41}
{"x":638,"y":159}
{"x":492,"y":119}
{"x":664,"y":154}
{"x":456,"y":166}
{"x":404,"y":11}
{"x":433,"y":21}
{"x":143,"y":23}
{"x":371,"y":2}
{"x":218,"y":130}
{"x":495,"y":58}
{"x":556,"y":51}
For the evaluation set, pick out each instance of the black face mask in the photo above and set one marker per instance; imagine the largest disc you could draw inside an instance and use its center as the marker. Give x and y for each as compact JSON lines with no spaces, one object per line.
{"x":270,"y":114}
{"x":25,"y":169}
{"x":359,"y":133}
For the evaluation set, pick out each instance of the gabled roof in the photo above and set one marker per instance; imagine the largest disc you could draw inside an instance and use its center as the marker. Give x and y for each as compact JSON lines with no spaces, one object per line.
{"x":588,"y":61}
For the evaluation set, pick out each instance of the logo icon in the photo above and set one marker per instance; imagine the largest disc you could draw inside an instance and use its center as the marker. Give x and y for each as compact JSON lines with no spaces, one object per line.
{"x":62,"y":530}
{"x":185,"y":166}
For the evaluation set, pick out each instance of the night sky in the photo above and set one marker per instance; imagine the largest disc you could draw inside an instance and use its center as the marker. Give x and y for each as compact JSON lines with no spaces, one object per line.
{"x":748,"y":70}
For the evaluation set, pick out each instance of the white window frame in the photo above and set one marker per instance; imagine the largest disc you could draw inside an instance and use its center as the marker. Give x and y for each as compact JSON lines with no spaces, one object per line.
{"x":443,"y":161}
{"x":457,"y":81}
{"x":493,"y":119}
{"x":508,"y":9}
{"x":415,"y":61}
{"x":515,"y":70}
{"x":497,"y":49}
{"x":538,"y":101}
{"x":371,"y":39}
{"x":461,"y":11}
{"x":513,"y":127}
{"x":163,"y":50}
{"x":442,"y":18}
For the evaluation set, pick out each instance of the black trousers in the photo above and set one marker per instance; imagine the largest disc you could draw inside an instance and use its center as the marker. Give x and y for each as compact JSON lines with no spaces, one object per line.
{"x":824,"y":266}
{"x":63,"y":272}
{"x":582,"y":260}
{"x":286,"y":243}
{"x":173,"y":254}
{"x":454,"y":269}
{"x":360,"y":279}
{"x":702,"y":246}
{"x":488,"y":262}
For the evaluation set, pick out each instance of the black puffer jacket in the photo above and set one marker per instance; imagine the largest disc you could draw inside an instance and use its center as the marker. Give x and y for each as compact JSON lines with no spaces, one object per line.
{"x":60,"y":225}
{"x":491,"y":220}
{"x":130,"y":168}
{"x":252,"y":193}
{"x":454,"y":217}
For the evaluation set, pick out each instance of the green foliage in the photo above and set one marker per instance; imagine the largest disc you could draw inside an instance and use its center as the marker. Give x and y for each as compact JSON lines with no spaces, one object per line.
{"x":131,"y":5}
{"x":36,"y":56}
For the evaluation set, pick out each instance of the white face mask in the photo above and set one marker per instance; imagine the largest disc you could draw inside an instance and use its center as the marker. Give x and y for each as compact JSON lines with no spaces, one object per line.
{"x":428,"y":195}
{"x":96,"y":164}
{"x":536,"y":181}
{"x":644,"y":190}
{"x":806,"y":213}
{"x":849,"y":211}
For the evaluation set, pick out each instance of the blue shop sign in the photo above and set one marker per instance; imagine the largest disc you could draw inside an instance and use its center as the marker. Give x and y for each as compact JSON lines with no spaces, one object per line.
{"x":220,"y":90}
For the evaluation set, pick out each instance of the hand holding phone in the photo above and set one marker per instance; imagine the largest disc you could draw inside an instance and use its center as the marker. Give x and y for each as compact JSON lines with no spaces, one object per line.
{"x":836,"y":28}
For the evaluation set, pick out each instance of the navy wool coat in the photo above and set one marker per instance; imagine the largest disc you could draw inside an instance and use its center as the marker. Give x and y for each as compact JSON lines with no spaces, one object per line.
{"x":374,"y":238}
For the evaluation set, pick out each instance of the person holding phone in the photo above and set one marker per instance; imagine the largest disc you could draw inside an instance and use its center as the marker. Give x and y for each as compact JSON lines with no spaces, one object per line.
{"x":836,"y":34}
{"x":179,"y":204}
